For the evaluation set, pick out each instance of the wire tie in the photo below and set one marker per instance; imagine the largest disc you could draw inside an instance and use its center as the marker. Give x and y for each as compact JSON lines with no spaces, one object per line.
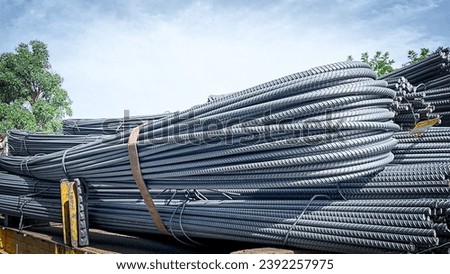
{"x":26,"y":164}
{"x":25,"y":142}
{"x":63,"y":163}
{"x":23,"y":163}
{"x":21,"y":205}
{"x":301,"y":215}
{"x":171,"y":228}
{"x":172,"y":197}
{"x":181,"y":225}
{"x":225,"y":194}
{"x":339,"y":191}
{"x":76,"y":126}
{"x":161,"y":192}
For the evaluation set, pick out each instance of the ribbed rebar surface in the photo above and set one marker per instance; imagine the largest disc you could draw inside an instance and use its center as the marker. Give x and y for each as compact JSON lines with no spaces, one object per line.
{"x":423,"y":90}
{"x":304,"y":161}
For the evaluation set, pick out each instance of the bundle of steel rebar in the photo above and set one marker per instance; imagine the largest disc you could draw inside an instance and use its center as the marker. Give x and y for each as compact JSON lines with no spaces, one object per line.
{"x":11,"y":184}
{"x":440,"y":99}
{"x":101,"y":126}
{"x":432,"y":68}
{"x":298,"y":161}
{"x":373,"y":225}
{"x":427,"y":89}
{"x":324,"y":125}
{"x":410,"y":105}
{"x":431,"y":146}
{"x":401,"y":85}
{"x":25,"y":143}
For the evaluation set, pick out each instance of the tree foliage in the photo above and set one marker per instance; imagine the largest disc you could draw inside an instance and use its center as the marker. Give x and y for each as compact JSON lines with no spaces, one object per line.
{"x":415,"y":57}
{"x":31,"y":96}
{"x":380,"y":62}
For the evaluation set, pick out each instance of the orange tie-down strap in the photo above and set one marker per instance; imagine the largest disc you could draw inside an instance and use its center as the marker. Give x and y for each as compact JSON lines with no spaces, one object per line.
{"x":137,"y":174}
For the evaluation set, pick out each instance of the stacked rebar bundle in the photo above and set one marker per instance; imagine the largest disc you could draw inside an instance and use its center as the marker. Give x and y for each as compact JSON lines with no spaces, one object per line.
{"x":431,"y":146}
{"x":372,"y":225}
{"x":428,"y":70}
{"x":423,"y":89}
{"x":105,"y":126}
{"x":11,"y":184}
{"x":411,"y":106}
{"x":25,"y":143}
{"x":299,"y":161}
{"x":440,"y":99}
{"x":279,"y":134}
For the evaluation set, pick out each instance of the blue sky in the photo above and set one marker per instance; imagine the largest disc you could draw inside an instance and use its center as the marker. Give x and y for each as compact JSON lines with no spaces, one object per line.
{"x":152,"y":56}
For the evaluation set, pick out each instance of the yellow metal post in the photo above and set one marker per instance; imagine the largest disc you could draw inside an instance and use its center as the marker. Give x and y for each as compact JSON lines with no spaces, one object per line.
{"x":65,"y":211}
{"x":2,"y":240}
{"x":73,"y":213}
{"x":69,"y":211}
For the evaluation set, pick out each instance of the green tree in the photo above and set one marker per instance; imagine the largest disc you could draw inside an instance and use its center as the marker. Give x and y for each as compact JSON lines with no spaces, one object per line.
{"x":380,"y":62}
{"x":415,"y":57}
{"x":31,"y":96}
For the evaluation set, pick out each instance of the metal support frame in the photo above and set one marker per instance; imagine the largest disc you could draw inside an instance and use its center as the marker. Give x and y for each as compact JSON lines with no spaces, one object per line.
{"x":74,"y":213}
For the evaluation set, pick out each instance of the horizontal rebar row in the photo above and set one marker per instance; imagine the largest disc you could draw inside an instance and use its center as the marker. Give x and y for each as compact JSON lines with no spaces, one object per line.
{"x":355,"y":225}
{"x":103,"y":126}
{"x":25,"y":143}
{"x":430,"y":146}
